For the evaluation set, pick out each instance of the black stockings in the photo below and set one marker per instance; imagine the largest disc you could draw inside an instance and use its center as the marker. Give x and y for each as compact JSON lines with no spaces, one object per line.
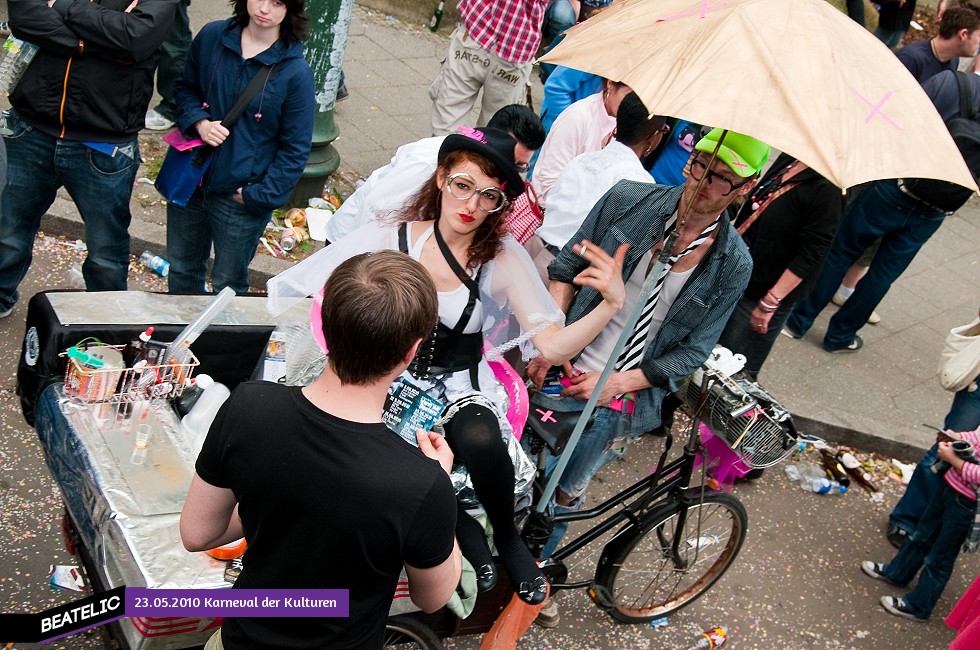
{"x":474,"y":436}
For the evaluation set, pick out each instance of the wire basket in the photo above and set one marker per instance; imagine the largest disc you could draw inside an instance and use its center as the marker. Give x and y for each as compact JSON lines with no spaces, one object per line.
{"x":121,"y":385}
{"x":740,"y":412}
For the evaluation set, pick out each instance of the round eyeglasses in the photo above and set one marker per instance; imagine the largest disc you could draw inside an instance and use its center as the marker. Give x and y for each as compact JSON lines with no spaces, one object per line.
{"x":463,"y":186}
{"x":698,"y":168}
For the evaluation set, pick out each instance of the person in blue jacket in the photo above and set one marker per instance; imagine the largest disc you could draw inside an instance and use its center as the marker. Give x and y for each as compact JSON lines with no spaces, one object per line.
{"x":258,"y":161}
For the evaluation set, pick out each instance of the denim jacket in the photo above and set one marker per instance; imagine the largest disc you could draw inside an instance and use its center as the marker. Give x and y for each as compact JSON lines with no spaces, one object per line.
{"x":635,"y":213}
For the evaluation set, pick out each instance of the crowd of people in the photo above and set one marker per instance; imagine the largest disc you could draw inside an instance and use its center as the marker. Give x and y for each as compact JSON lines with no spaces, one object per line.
{"x":422,"y":282}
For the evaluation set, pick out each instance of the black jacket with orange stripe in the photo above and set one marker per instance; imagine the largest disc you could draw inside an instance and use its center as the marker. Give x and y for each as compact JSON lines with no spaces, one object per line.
{"x":92,"y":79}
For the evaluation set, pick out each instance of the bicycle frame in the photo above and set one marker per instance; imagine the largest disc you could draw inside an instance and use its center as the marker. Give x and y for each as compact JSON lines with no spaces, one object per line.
{"x":648,"y":490}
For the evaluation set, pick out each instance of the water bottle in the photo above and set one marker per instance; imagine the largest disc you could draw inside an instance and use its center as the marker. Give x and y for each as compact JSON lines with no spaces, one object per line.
{"x":711,"y":639}
{"x":436,"y":19}
{"x":793,"y":473}
{"x":18,"y":55}
{"x":200,"y":417}
{"x":822,"y":486}
{"x":155,"y":263}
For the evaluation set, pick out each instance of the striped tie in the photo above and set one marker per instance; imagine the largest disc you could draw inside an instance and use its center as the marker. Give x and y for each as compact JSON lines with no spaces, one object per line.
{"x":633,"y":350}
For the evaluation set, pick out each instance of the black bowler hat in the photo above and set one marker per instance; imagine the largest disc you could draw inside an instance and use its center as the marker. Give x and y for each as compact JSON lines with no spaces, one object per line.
{"x":493,"y":144}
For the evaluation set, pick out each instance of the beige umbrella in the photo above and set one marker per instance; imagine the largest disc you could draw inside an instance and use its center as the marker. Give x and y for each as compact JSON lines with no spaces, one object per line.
{"x":797,"y":74}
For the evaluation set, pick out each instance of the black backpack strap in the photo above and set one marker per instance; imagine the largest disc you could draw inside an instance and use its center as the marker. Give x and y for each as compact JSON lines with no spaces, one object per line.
{"x":251,"y":90}
{"x":403,"y":237}
{"x":967,"y":107}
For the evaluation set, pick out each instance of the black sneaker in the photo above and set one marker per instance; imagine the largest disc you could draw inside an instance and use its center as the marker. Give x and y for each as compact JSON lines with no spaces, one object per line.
{"x":875,"y":570}
{"x":853,"y":346}
{"x":897,"y":606}
{"x":896,"y":536}
{"x":342,"y":93}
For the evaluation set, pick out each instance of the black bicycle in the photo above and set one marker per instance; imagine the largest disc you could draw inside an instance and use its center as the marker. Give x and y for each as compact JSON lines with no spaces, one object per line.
{"x":662,"y":542}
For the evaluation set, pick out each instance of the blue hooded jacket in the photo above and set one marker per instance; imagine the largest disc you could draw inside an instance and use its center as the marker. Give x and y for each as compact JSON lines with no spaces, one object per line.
{"x":270,"y":143}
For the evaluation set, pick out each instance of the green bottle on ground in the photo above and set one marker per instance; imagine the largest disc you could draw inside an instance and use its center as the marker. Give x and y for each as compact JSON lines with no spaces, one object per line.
{"x":436,"y":17}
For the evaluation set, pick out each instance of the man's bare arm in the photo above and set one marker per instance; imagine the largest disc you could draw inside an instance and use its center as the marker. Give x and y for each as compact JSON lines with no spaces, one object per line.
{"x":432,"y":588}
{"x":210,"y":517}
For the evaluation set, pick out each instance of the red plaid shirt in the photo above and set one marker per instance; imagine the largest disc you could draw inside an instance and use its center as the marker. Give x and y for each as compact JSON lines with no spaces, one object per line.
{"x":511,"y":29}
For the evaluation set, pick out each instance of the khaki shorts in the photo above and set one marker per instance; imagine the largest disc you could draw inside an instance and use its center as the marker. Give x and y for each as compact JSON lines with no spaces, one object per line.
{"x":467,"y":69}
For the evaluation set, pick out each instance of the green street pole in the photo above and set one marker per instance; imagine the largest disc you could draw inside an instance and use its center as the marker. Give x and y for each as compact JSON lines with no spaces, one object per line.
{"x":329,"y":22}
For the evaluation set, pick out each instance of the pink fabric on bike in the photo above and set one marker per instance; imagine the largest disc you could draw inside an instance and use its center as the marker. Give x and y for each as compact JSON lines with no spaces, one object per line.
{"x":965,"y":619}
{"x":724,"y":465}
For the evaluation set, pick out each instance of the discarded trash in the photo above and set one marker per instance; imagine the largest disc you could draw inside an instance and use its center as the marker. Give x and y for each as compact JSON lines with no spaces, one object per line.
{"x":265,"y":242}
{"x":660,"y":622}
{"x":854,"y":468}
{"x":66,"y":577}
{"x":155,"y":263}
{"x":320,"y":203}
{"x":703,"y":541}
{"x":792,"y":473}
{"x":906,"y":470}
{"x":711,"y":639}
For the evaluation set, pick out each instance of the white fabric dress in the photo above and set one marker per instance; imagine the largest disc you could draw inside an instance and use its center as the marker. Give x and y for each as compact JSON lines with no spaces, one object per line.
{"x":513,"y":305}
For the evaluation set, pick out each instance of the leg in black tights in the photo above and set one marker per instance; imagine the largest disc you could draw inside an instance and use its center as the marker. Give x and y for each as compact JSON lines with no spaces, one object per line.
{"x":474,"y":436}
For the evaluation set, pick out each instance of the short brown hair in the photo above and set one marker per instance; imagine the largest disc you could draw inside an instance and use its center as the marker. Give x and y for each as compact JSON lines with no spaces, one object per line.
{"x":375,"y":307}
{"x":963,"y":16}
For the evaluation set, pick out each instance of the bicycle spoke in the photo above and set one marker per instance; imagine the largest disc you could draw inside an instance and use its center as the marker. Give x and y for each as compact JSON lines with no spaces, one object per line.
{"x":646,"y":580}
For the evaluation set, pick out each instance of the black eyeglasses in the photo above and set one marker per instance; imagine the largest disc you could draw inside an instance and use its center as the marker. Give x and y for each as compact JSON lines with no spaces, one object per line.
{"x":698,"y":168}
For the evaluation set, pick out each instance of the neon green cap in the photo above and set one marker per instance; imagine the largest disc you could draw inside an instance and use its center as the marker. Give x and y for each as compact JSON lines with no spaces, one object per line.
{"x":743,"y":154}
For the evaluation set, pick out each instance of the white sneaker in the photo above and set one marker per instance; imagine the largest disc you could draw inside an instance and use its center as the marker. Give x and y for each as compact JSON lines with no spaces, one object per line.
{"x":157,"y":122}
{"x":6,"y":312}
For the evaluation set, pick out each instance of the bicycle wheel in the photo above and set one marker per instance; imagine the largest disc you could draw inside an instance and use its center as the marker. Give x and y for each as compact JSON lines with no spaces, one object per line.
{"x":643,"y":578}
{"x":405,"y":632}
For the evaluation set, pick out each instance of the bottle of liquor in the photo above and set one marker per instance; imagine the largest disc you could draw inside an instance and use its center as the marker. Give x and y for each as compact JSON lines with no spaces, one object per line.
{"x":436,"y":19}
{"x":854,"y":468}
{"x":835,"y":471}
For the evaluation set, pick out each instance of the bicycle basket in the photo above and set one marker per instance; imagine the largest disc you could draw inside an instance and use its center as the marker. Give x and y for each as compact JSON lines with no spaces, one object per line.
{"x":740,"y":412}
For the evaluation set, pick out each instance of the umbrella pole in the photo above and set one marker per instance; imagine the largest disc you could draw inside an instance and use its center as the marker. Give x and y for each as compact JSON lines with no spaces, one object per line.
{"x":634,"y":317}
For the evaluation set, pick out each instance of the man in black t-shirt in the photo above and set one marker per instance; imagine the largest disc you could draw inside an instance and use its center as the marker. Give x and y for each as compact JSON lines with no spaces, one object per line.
{"x":326,"y":496}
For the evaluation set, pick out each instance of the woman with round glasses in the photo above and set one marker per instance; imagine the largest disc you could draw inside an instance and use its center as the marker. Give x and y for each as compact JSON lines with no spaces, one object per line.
{"x":490,"y":300}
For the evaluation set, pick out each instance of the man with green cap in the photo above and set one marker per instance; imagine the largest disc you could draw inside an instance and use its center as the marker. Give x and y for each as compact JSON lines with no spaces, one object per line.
{"x":708,"y":272}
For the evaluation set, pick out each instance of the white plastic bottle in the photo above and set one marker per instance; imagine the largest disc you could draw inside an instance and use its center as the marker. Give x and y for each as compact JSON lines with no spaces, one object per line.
{"x":821,"y":486}
{"x":200,"y":417}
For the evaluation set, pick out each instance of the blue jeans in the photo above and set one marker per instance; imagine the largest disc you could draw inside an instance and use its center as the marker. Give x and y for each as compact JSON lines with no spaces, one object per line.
{"x":740,"y":337}
{"x":904,"y":225}
{"x":933,"y":547}
{"x":890,"y":37}
{"x":602,"y":442}
{"x":101,"y":186}
{"x":855,"y":9}
{"x":964,"y":415}
{"x":558,"y":17}
{"x":211,"y":219}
